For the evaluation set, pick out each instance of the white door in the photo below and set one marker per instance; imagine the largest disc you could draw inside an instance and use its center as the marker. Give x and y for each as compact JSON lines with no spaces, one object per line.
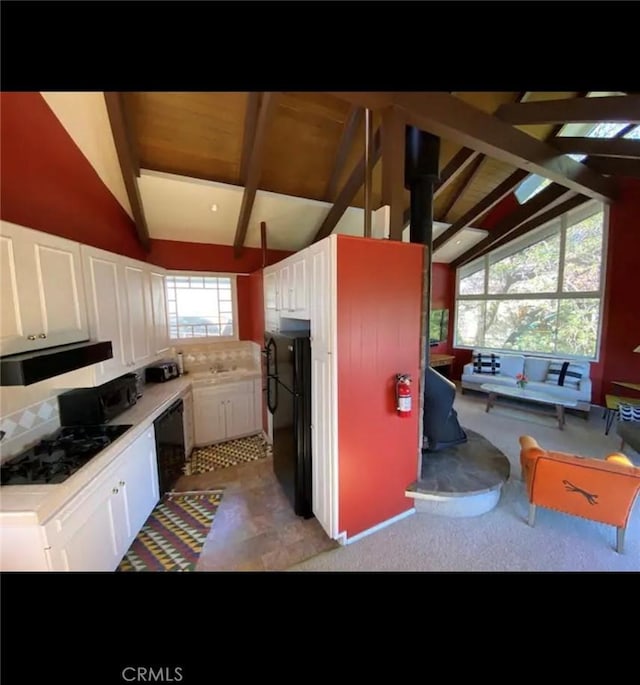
{"x":188,"y":424}
{"x":239,"y":414}
{"x":300,"y":304}
{"x":46,"y":298}
{"x":271,"y":290}
{"x":106,"y":308}
{"x":320,"y":300}
{"x":135,"y":280}
{"x":285,"y":288}
{"x":138,"y":484}
{"x":12,"y":334}
{"x":208,"y":409}
{"x":88,"y":538}
{"x":159,"y":313}
{"x":324,"y":478}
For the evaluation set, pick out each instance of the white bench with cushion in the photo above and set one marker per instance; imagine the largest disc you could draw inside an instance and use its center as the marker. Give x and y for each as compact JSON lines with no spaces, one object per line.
{"x":545,"y":374}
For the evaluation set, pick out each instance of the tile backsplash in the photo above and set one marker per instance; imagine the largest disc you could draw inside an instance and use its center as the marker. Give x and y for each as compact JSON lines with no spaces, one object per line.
{"x":28,"y":425}
{"x":242,"y":354}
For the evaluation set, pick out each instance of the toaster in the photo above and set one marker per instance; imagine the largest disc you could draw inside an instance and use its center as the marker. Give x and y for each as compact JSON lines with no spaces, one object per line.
{"x":161,"y":372}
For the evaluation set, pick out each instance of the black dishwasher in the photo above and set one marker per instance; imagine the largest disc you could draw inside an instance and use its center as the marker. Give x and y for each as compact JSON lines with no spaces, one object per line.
{"x":170,"y":446}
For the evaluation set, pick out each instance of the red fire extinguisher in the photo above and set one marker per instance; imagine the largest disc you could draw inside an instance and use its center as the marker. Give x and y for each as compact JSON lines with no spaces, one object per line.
{"x":403,"y":394}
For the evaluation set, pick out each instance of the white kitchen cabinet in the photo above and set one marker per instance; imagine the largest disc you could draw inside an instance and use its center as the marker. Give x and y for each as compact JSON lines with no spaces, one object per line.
{"x":42,"y":292}
{"x":159,"y":312}
{"x":323,"y":443}
{"x":285,"y":284}
{"x":137,"y":292}
{"x":300,"y":289}
{"x":321,"y":285}
{"x":94,"y":531}
{"x":188,"y":421}
{"x":108,"y":319}
{"x":126,"y":305}
{"x":224,"y":412}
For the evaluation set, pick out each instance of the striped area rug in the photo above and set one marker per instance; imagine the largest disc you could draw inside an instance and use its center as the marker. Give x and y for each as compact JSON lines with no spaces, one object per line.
{"x":225,"y":454}
{"x":174,"y":534}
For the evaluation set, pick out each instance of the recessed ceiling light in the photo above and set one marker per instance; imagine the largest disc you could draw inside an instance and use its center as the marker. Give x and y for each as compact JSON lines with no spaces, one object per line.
{"x":214,"y":207}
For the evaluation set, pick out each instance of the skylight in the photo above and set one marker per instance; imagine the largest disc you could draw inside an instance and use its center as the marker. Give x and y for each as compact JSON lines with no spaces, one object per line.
{"x":534,"y":183}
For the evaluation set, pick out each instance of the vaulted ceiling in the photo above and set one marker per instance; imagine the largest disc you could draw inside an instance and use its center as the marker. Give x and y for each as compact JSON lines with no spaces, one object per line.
{"x":296,"y":160}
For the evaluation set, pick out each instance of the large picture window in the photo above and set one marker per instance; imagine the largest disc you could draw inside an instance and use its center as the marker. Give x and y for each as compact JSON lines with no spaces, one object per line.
{"x":202,"y":306}
{"x":541,"y":293}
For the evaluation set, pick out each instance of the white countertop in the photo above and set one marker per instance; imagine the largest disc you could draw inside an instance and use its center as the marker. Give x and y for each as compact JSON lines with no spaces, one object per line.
{"x":29,"y":504}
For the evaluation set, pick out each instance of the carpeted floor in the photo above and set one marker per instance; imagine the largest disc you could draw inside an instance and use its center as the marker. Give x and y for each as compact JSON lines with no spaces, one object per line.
{"x":173,"y":536}
{"x":500,"y":540}
{"x":225,"y":454}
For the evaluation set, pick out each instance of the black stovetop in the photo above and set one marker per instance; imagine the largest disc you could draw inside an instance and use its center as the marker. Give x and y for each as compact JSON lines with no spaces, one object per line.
{"x":59,"y":455}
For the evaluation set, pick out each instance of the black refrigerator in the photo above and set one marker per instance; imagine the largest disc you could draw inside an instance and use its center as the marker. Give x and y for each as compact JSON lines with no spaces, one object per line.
{"x":288,"y":379}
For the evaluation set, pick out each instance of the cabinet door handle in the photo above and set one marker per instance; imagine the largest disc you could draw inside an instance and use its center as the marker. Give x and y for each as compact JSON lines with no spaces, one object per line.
{"x":115,"y":491}
{"x":31,"y":337}
{"x":121,"y":483}
{"x":42,"y":335}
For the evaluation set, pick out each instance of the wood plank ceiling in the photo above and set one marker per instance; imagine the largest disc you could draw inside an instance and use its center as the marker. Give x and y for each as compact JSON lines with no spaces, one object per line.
{"x":313,"y":142}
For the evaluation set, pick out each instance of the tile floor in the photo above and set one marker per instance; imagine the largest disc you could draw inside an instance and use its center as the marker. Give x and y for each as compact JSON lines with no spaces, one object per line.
{"x":255,"y":528}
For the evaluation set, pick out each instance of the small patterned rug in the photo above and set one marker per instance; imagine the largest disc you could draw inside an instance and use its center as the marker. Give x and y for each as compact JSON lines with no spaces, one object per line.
{"x":225,"y":454}
{"x":174,"y":534}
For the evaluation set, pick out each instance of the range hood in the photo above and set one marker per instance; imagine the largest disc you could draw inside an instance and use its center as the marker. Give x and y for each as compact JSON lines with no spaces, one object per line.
{"x":31,"y":367}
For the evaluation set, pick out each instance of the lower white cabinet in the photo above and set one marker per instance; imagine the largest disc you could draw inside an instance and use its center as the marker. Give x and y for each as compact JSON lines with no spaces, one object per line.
{"x":187,"y":418}
{"x":94,"y":530}
{"x":225,"y":411}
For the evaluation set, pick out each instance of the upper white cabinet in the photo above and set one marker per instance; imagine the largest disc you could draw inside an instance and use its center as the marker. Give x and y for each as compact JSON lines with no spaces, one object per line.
{"x":159,"y":312}
{"x":107,"y":309}
{"x":126,"y":305}
{"x":42,"y":297}
{"x":286,"y":290}
{"x":137,"y":292}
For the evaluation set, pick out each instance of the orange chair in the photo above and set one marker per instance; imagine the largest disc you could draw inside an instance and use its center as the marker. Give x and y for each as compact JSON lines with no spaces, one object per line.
{"x":601,"y":490}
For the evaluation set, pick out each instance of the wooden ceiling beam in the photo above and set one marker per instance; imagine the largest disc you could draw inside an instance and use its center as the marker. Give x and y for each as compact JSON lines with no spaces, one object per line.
{"x":473,"y":169}
{"x":541,"y":219}
{"x":349,"y":130}
{"x":449,"y":117}
{"x":544,"y":200}
{"x":600,"y":147}
{"x":393,"y":152}
{"x":129,"y":167}
{"x":481,"y":208}
{"x":268,"y":107}
{"x":579,"y":110}
{"x":348,"y":192}
{"x":249,"y":135}
{"x":616,"y":166}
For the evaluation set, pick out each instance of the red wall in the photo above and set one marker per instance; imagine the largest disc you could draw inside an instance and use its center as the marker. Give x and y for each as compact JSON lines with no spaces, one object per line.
{"x":379,"y":305}
{"x":621,"y":315}
{"x":49,"y":185}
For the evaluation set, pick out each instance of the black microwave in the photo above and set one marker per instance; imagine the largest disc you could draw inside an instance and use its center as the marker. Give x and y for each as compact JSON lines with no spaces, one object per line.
{"x":91,"y":406}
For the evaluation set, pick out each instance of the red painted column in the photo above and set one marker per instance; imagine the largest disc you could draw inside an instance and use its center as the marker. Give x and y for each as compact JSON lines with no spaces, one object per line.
{"x":378,"y":322}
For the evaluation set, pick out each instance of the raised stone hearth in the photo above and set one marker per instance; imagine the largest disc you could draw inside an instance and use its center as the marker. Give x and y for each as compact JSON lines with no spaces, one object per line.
{"x":463,"y":480}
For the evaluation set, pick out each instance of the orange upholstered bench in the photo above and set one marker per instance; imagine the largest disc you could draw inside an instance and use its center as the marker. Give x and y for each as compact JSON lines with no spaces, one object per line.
{"x":601,"y":490}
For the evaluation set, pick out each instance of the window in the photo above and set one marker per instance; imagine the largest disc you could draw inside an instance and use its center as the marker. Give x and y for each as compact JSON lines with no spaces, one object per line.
{"x":201,"y":306}
{"x":540,"y":294}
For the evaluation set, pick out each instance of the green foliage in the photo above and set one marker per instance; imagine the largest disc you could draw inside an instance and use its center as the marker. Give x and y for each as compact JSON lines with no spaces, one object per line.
{"x":552,"y":325}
